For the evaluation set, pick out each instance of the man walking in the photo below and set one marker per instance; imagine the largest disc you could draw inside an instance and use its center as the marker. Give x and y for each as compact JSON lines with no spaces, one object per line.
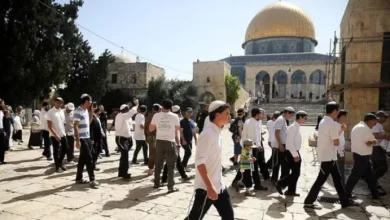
{"x":236,"y":128}
{"x":45,"y":130}
{"x":139,"y":135}
{"x":82,"y":137}
{"x":151,"y":138}
{"x":123,"y":124}
{"x":69,"y":130}
{"x":187,"y":128}
{"x":209,"y":186}
{"x":201,"y":117}
{"x":293,"y":145}
{"x":362,"y":141}
{"x":103,"y":120}
{"x":327,"y":142}
{"x":56,"y":125}
{"x":167,"y":125}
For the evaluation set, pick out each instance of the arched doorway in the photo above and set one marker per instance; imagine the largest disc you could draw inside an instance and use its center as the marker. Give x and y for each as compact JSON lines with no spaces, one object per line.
{"x":298,"y":84}
{"x":262,"y":84}
{"x":206,"y":98}
{"x":279,"y":82}
{"x":317,"y":85}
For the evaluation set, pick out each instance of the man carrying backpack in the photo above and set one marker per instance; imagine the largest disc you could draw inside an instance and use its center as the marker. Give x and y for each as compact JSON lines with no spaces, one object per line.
{"x":236,"y":130}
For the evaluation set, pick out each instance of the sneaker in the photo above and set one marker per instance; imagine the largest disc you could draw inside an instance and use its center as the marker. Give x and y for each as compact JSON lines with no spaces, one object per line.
{"x":188,"y":178}
{"x":312,"y":206}
{"x":59,"y":170}
{"x":81,"y":181}
{"x":349,"y":204}
{"x":248,"y":193}
{"x":94,"y":184}
{"x":172,"y":190}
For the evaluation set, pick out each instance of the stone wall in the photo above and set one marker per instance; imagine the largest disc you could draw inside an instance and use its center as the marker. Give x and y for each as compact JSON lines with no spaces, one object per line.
{"x":363,"y":20}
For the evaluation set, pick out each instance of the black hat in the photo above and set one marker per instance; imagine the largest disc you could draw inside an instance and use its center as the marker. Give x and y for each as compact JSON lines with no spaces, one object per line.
{"x":189,"y":109}
{"x":240,"y":111}
{"x":370,"y":116}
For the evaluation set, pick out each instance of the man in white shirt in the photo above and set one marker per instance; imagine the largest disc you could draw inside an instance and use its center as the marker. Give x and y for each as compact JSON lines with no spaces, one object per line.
{"x":56,"y":125}
{"x":167,"y":126}
{"x":341,"y":119}
{"x":139,"y":135}
{"x":45,"y":130}
{"x":293,"y":145}
{"x":327,"y":142}
{"x":271,"y":139}
{"x":252,"y":130}
{"x":209,"y":186}
{"x":123,"y":124}
{"x":280,"y":131}
{"x":69,"y":129}
{"x":362,"y":141}
{"x":379,"y":154}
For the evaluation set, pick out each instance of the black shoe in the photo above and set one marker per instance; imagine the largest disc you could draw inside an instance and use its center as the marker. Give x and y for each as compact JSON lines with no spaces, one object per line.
{"x":63,"y":168}
{"x":96,"y":169}
{"x":81,"y":181}
{"x":350,"y":203}
{"x":49,"y":159}
{"x":261,"y":188}
{"x":163,"y":182}
{"x":3,"y":162}
{"x":291,"y":194}
{"x":31,"y":148}
{"x":108,"y":155}
{"x":279,"y":189}
{"x":134,"y":162}
{"x":126,"y":177}
{"x":188,"y":178}
{"x":380,"y":194}
{"x":232,"y":160}
{"x":59,"y":170}
{"x":312,"y":206}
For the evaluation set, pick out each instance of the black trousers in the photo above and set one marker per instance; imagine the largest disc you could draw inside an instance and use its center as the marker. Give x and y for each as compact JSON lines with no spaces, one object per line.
{"x":202,"y":204}
{"x":187,"y":153}
{"x":280,"y":162}
{"x":179,"y":167}
{"x":70,"y":151}
{"x":2,"y":145}
{"x":140,"y":144}
{"x":328,"y":167}
{"x":255,"y":172}
{"x":247,"y":178}
{"x":59,"y":150}
{"x":104,"y":141}
{"x":85,"y":159}
{"x":46,"y":143}
{"x":361,"y":167}
{"x":270,"y":160}
{"x":292,"y":178}
{"x":379,"y":162}
{"x":97,"y":148}
{"x":262,"y":164}
{"x":124,"y":145}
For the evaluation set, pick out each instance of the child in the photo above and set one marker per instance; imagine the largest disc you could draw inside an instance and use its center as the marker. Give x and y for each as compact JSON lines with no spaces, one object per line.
{"x":246,"y":166}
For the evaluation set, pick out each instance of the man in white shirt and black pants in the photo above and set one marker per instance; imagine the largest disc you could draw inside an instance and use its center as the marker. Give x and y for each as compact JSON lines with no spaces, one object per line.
{"x":167,"y":126}
{"x":362,"y":141}
{"x":327,"y":142}
{"x":139,"y":135}
{"x":279,"y":141}
{"x":45,"y":130}
{"x":209,"y":186}
{"x":293,"y":145}
{"x":123,"y":124}
{"x":56,"y":125}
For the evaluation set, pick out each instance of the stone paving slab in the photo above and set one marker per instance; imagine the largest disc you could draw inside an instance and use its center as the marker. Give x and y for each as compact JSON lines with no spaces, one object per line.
{"x":29,"y":189}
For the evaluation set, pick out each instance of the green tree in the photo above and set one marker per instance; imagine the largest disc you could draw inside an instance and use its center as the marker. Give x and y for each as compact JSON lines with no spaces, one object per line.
{"x":114,"y":99}
{"x":34,"y":47}
{"x":232,"y":88}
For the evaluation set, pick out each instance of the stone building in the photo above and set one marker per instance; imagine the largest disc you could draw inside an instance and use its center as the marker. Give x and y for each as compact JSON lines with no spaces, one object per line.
{"x":280,"y":60}
{"x":132,"y":77}
{"x":360,"y":79}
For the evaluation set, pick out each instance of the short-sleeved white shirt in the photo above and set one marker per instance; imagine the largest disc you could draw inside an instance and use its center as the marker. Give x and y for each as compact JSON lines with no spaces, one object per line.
{"x":378,"y":128}
{"x":209,"y":153}
{"x":57,"y":117}
{"x":1,"y":119}
{"x":166,"y":124}
{"x":139,"y":133}
{"x":280,"y":124}
{"x":360,"y":135}
{"x":341,"y":138}
{"x":328,"y":130}
{"x":270,"y":128}
{"x":43,"y":118}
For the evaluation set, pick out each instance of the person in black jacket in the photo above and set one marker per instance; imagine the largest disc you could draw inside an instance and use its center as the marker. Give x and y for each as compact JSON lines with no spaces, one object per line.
{"x":96,"y":134}
{"x":201,"y":117}
{"x":103,"y":120}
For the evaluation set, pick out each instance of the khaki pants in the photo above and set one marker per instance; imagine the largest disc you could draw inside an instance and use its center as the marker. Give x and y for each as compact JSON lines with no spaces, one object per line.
{"x":151,"y":140}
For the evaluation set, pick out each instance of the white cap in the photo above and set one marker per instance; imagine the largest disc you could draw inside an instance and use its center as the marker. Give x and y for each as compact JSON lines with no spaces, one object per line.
{"x":123,"y":107}
{"x":84,"y":95}
{"x":216,"y":104}
{"x":290,"y":109}
{"x":70,"y":106}
{"x":175,"y":108}
{"x":36,"y":112}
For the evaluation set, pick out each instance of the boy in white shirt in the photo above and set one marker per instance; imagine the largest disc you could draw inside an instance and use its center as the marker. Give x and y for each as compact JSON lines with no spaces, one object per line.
{"x":341,"y":119}
{"x":139,"y":135}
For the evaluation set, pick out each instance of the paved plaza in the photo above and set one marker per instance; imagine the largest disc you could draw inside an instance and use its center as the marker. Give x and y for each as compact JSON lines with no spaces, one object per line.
{"x":29,"y":189}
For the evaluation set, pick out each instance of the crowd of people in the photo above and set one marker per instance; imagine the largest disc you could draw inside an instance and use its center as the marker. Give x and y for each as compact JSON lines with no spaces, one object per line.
{"x":161,"y":134}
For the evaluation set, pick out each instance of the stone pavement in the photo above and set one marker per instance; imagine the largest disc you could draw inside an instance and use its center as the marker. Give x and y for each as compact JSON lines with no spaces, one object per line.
{"x":29,"y":189}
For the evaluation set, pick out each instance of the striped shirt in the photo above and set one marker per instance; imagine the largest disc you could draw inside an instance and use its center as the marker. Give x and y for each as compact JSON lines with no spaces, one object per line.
{"x":82,"y":116}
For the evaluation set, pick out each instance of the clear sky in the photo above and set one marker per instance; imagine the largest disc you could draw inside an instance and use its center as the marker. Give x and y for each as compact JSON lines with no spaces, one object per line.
{"x":175,"y":33}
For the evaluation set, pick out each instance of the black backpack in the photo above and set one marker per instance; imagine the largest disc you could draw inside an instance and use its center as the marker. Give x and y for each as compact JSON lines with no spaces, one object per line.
{"x":233,"y":127}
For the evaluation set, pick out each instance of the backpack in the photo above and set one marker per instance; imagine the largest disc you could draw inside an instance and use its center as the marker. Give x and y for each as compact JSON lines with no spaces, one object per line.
{"x":233,"y":127}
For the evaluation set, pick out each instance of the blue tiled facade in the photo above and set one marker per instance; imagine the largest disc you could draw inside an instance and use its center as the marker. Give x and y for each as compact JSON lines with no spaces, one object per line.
{"x":239,"y":72}
{"x":279,"y":45}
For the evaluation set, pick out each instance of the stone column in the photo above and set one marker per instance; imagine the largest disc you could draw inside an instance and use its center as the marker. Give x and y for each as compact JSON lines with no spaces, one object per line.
{"x":307,"y":91}
{"x":270,"y":90}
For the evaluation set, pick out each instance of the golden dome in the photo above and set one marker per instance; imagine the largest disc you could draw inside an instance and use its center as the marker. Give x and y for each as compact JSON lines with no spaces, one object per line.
{"x":280,"y":19}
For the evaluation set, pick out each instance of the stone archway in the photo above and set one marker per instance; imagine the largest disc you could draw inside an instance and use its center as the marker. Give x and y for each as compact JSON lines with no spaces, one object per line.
{"x":298,"y":84}
{"x":262,"y":83}
{"x":206,"y":98}
{"x":317,"y":84}
{"x":279,"y":84}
